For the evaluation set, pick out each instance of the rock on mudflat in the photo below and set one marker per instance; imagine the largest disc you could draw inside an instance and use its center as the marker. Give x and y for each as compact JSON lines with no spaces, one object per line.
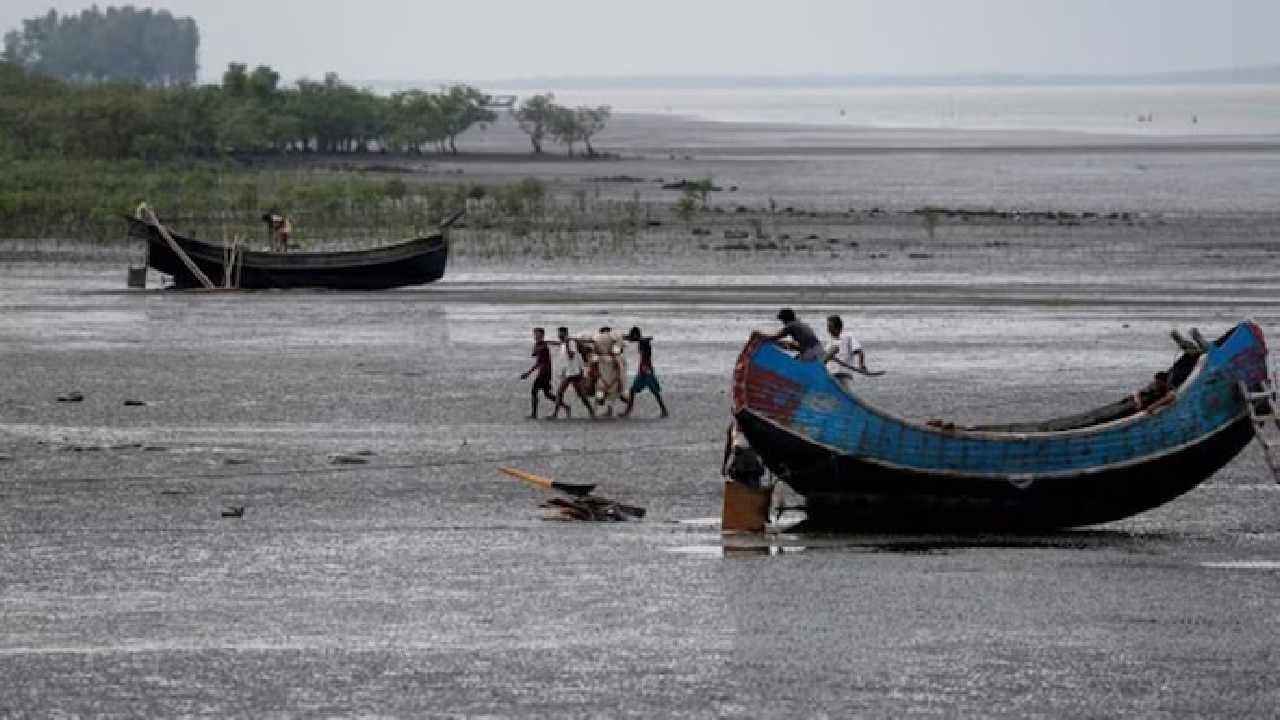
{"x":349,"y":459}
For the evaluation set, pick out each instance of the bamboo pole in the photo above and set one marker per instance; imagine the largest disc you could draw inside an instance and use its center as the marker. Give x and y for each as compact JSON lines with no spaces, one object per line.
{"x":177,"y":250}
{"x":232,"y":261}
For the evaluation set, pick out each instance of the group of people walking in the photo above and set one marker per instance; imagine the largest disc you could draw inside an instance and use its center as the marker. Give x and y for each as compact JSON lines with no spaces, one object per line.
{"x":595,"y":367}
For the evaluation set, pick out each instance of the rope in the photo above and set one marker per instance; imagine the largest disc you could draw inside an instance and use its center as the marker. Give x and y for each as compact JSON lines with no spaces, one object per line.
{"x":361,"y":468}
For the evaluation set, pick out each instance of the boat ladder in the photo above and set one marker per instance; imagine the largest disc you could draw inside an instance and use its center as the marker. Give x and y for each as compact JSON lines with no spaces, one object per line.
{"x":1262,"y":403}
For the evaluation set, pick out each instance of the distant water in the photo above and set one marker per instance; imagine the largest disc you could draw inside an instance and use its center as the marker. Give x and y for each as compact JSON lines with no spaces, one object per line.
{"x":1171,"y":109}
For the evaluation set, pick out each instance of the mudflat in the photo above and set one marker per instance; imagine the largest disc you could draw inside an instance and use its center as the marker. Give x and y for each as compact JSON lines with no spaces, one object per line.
{"x":383,"y":567}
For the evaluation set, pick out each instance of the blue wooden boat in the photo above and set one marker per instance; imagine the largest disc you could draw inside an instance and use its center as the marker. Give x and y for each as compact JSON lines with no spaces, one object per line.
{"x":860,"y":467}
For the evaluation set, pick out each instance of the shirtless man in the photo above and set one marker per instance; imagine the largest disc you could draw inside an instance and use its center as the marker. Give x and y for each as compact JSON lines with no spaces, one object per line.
{"x":645,"y":375}
{"x":279,"y":229}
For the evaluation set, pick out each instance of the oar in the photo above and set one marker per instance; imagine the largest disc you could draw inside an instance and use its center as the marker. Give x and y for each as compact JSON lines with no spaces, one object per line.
{"x":860,"y":370}
{"x":547,"y":483}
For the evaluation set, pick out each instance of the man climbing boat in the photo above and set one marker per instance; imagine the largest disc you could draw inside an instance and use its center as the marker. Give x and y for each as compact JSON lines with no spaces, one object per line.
{"x":862,"y":467}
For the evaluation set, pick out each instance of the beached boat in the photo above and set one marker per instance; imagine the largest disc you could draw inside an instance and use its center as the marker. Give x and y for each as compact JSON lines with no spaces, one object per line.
{"x":409,"y":263}
{"x":860,"y":467}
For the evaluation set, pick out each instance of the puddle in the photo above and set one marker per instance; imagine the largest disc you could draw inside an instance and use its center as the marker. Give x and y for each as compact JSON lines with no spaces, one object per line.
{"x":712,"y":521}
{"x":737,"y":547}
{"x":697,"y":550}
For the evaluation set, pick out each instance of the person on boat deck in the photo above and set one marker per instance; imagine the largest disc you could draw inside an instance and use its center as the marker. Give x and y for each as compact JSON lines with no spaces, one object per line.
{"x":741,"y":463}
{"x":571,"y":373}
{"x":845,"y":351}
{"x":542,"y":365}
{"x":279,"y":229}
{"x":645,"y":375}
{"x":798,"y":336}
{"x":1156,"y":395}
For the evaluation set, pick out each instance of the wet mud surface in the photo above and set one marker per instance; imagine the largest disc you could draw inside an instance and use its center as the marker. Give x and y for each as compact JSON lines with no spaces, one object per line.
{"x":383,"y":567}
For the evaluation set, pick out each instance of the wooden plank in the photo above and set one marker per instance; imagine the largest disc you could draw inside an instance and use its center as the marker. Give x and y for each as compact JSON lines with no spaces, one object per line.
{"x":177,"y":250}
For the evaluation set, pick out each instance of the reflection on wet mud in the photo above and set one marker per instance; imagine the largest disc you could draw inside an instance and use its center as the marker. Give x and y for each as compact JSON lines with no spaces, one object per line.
{"x":796,"y":541}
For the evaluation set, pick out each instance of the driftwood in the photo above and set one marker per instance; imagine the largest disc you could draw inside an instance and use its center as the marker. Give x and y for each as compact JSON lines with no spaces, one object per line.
{"x":579,"y":503}
{"x":593,"y":509}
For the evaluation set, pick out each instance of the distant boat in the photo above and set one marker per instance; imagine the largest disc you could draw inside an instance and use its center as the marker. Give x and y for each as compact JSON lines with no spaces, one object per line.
{"x":860,"y":467}
{"x":415,"y":262}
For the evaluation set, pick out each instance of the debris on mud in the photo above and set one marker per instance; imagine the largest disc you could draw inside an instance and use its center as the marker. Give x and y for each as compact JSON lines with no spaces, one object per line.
{"x":353,"y":459}
{"x":579,"y":503}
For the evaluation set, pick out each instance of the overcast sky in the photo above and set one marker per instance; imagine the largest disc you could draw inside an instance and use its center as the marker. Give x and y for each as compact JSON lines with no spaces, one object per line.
{"x":479,"y":41}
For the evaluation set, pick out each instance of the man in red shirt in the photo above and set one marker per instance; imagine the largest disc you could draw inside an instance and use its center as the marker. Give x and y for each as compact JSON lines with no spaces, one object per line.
{"x":542,"y":365}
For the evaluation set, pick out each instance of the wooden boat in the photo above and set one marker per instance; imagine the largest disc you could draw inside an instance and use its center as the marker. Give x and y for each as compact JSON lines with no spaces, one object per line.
{"x":860,"y":467}
{"x":409,"y":263}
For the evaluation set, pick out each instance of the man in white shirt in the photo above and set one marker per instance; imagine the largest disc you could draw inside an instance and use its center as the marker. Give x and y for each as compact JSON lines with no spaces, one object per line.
{"x":846,"y":352}
{"x":571,"y":373}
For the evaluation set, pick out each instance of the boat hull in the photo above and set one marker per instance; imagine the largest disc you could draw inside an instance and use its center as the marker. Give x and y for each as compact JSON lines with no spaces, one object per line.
{"x":844,"y":491}
{"x":859,"y":467}
{"x":415,"y":262}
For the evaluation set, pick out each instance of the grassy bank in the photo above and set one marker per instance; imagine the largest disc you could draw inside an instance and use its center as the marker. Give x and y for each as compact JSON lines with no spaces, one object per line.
{"x":84,"y":201}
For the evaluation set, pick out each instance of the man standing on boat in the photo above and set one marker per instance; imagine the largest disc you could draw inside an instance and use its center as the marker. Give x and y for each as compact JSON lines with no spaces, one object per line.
{"x":278,"y":229}
{"x":798,"y":336}
{"x":845,"y":351}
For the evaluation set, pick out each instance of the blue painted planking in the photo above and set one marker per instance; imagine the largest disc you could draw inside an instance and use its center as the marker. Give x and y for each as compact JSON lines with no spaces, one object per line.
{"x":1208,"y":401}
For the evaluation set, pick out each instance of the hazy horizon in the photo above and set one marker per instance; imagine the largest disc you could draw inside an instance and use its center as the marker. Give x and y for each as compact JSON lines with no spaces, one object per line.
{"x":381,"y":41}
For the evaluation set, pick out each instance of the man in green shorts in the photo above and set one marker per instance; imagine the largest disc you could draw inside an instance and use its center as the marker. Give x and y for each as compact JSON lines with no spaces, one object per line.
{"x":645,"y":377}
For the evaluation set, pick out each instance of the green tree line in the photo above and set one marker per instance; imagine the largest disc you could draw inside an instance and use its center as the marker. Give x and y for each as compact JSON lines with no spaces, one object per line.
{"x":123,"y":44}
{"x":248,"y":113}
{"x":541,"y":118}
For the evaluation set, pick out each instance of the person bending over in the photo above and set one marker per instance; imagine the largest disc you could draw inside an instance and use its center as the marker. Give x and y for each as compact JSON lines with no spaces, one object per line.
{"x":798,"y":336}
